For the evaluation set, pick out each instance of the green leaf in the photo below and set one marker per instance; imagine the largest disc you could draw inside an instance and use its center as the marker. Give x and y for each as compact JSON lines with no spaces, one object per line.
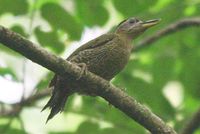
{"x":100,"y":109}
{"x":88,"y":127}
{"x":5,"y":71}
{"x":149,"y":93}
{"x":43,"y":84}
{"x":17,"y":7}
{"x":40,"y":3}
{"x":189,"y":107}
{"x":61,"y":133}
{"x":118,"y":130}
{"x":92,"y":12}
{"x":190,"y":72}
{"x":19,"y":29}
{"x":59,"y":18}
{"x":8,"y":127}
{"x":10,"y":130}
{"x":49,"y":39}
{"x":133,"y":7}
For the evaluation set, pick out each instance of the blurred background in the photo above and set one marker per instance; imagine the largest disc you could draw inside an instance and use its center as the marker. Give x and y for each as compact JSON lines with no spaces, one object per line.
{"x":165,"y":76}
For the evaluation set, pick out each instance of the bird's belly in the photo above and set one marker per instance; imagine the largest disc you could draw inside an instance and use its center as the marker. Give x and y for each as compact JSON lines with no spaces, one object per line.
{"x":108,"y":63}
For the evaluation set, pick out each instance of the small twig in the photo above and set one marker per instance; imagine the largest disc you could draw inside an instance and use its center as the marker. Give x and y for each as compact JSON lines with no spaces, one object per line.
{"x":16,"y":108}
{"x":31,"y":15}
{"x":172,"y":28}
{"x":39,"y":95}
{"x":192,"y":124}
{"x":26,"y":102}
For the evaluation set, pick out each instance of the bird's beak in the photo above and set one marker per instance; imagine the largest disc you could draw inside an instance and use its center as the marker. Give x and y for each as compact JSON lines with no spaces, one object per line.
{"x":150,"y":23}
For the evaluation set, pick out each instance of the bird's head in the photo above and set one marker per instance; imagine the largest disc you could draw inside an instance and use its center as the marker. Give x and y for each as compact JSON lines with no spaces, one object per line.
{"x":133,"y":27}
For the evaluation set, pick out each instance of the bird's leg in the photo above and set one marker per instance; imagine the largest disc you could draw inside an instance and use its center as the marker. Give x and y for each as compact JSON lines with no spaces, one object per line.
{"x":83,"y":71}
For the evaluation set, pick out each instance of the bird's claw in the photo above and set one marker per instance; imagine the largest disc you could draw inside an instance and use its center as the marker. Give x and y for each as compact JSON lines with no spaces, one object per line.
{"x":83,"y":71}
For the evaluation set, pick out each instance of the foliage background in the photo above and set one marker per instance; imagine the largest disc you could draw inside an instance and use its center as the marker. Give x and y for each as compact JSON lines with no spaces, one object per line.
{"x":165,"y":77}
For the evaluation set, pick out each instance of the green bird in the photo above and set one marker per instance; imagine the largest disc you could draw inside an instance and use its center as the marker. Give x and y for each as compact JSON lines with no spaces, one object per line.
{"x":104,"y":56}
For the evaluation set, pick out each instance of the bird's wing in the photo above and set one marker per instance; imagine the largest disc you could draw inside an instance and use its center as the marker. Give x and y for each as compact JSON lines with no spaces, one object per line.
{"x":99,"y":41}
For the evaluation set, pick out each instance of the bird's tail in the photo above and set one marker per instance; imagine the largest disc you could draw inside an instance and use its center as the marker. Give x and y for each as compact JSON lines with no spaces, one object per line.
{"x":56,"y":103}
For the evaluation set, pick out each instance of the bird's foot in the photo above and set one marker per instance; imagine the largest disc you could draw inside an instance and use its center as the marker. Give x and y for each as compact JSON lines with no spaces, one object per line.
{"x":83,"y":71}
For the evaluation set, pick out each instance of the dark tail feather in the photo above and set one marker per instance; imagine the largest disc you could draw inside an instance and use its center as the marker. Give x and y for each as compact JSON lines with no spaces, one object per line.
{"x":56,"y":103}
{"x":48,"y":103}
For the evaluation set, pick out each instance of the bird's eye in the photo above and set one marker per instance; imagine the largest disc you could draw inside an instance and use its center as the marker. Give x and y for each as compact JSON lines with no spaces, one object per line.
{"x":132,"y":21}
{"x":136,"y":20}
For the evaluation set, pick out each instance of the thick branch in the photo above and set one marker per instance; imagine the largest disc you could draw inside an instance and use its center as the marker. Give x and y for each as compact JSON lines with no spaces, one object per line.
{"x":172,"y":28}
{"x":149,"y":40}
{"x":113,"y":95}
{"x":192,"y":125}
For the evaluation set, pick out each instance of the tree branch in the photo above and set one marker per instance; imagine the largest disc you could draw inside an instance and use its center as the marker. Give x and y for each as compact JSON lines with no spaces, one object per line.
{"x":172,"y":28}
{"x":148,"y":41}
{"x":17,"y":107}
{"x":192,"y":124}
{"x":103,"y":88}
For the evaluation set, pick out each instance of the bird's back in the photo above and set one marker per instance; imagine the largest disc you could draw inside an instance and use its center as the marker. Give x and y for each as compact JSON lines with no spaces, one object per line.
{"x":105,"y":56}
{"x":106,"y":59}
